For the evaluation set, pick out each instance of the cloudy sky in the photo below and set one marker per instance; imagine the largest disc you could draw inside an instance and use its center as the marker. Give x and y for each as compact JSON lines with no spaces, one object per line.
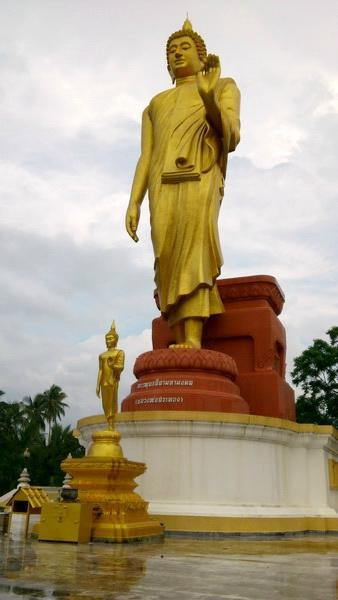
{"x":75,"y":76}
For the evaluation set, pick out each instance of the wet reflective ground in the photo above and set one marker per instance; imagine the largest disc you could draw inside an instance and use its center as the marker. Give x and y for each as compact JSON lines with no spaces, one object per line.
{"x":182,"y":569}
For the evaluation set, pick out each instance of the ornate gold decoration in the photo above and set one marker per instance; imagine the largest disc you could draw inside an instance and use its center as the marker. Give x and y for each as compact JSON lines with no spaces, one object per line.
{"x":107,"y":484}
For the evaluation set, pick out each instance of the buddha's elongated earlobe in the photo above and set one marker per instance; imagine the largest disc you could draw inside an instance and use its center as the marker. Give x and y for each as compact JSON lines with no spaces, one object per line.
{"x":171,"y":74}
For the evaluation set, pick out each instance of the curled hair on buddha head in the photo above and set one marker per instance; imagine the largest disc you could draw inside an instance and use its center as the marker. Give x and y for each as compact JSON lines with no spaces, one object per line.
{"x":198,"y":41}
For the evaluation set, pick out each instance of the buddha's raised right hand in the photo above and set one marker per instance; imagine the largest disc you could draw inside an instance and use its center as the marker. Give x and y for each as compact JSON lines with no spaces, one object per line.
{"x":208,"y":78}
{"x":132,"y":219}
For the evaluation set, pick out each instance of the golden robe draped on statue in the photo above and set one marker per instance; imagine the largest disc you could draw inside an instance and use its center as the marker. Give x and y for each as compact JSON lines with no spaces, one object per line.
{"x":185,"y":192}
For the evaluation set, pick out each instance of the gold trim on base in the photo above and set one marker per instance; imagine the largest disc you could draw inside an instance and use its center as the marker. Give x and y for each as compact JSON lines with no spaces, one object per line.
{"x":176,"y":415}
{"x":249,"y":525}
{"x":333,"y":473}
{"x":127,"y":532}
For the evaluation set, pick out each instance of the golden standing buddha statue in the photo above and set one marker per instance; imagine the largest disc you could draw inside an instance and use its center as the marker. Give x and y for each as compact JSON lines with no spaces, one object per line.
{"x":187,"y":133}
{"x":111,"y":364}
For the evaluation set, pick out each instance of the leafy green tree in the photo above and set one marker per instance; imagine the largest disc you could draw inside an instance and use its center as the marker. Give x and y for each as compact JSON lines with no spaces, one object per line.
{"x":316,"y":373}
{"x":52,"y":405}
{"x":22,"y":426}
{"x":12,"y":420}
{"x":12,"y":426}
{"x":35,"y":413}
{"x":45,"y":459}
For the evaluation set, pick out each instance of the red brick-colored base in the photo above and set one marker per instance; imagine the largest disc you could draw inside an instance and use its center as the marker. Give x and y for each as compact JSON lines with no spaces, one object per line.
{"x":250,"y":338}
{"x":250,"y":332}
{"x":185,"y":379}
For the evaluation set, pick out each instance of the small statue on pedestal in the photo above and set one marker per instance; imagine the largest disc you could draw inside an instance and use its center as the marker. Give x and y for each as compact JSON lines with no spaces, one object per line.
{"x":111,"y":364}
{"x":108,"y":508}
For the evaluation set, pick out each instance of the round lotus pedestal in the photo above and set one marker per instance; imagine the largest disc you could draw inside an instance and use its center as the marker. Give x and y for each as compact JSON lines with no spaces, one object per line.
{"x":185,"y":379}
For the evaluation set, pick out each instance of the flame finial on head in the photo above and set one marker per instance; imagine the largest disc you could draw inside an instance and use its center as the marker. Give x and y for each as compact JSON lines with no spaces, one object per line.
{"x":187,"y":25}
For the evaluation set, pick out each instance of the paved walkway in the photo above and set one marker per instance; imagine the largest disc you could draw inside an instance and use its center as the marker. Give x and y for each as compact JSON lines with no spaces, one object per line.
{"x":176,"y":569}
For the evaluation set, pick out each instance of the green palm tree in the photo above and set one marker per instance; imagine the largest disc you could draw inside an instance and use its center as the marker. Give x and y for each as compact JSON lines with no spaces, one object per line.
{"x":12,"y":419}
{"x":52,"y":404}
{"x":35,"y":413}
{"x":62,"y":442}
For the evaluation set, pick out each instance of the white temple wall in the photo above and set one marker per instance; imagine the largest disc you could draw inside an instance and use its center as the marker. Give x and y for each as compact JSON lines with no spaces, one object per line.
{"x":201,"y":467}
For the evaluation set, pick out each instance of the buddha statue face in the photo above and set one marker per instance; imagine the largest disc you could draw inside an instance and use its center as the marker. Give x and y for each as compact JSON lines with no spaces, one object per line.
{"x":183,"y":57}
{"x":111,"y":340}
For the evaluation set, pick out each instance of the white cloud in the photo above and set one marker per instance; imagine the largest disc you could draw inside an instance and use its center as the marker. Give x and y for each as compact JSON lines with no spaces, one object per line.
{"x":82,"y":204}
{"x":73,"y":366}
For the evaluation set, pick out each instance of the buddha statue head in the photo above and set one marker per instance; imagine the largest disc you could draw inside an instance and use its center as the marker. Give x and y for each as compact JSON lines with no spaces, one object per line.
{"x":186,"y":52}
{"x":112,"y":337}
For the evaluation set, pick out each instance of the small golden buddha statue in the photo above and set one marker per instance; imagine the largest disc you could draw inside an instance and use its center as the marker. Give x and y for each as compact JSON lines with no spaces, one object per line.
{"x":187,"y":133}
{"x":111,"y":364}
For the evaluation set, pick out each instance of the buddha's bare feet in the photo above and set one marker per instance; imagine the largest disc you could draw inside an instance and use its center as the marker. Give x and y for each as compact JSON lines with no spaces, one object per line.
{"x":181,"y":346}
{"x":193,"y":332}
{"x":188,"y":333}
{"x":194,"y":343}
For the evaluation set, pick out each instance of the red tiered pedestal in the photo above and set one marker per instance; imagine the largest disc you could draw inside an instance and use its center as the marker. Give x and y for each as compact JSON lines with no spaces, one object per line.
{"x":185,"y":379}
{"x":250,"y":332}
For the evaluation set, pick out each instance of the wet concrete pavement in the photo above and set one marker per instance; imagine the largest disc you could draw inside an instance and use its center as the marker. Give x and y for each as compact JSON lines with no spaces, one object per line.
{"x":183,"y":569}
